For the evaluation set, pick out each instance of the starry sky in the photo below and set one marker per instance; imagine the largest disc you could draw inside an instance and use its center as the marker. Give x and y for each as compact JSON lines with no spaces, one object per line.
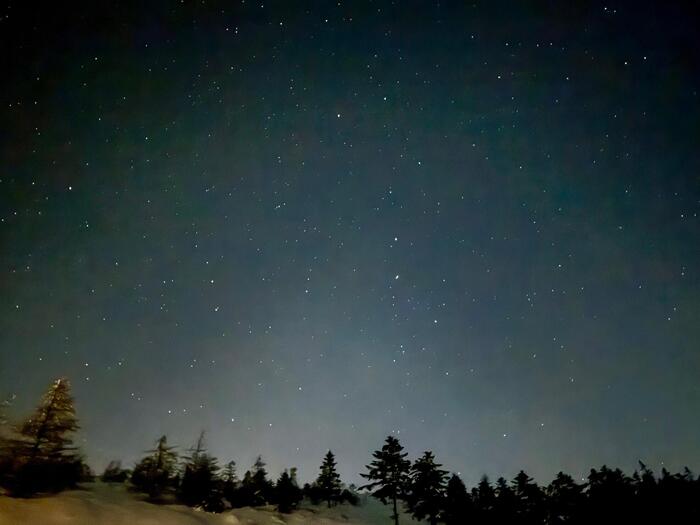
{"x":307,"y":225}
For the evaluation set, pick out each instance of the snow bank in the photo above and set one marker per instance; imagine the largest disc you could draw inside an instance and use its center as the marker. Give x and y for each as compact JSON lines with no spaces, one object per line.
{"x":103,"y":504}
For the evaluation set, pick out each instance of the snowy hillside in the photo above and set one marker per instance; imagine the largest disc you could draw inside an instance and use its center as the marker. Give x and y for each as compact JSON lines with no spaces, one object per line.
{"x":101,"y":504}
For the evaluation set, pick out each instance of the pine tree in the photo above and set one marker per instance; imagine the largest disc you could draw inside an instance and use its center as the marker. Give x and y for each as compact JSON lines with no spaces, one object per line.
{"x":328,"y":481}
{"x":47,"y":434}
{"x":427,"y":488}
{"x":457,"y":505}
{"x":565,"y":499}
{"x":43,"y":457}
{"x":154,"y":473}
{"x":230,"y":482}
{"x":199,"y":485}
{"x":530,"y":499}
{"x":506,"y":504}
{"x":229,"y":473}
{"x":114,"y":473}
{"x":484,"y":498}
{"x":287,"y":492}
{"x":256,"y":489}
{"x":388,"y":474}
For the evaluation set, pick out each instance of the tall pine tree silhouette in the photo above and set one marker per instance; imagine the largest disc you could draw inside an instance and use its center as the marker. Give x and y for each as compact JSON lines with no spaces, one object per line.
{"x":255,"y":489}
{"x":328,"y":481}
{"x":425,"y":497}
{"x":199,"y":479}
{"x":565,"y":500}
{"x":457,"y":504}
{"x":230,"y":482}
{"x":388,"y":474}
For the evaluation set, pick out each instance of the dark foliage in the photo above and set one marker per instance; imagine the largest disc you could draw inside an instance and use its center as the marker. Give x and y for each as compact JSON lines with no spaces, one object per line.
{"x":114,"y":473}
{"x":287,"y":492}
{"x":229,"y":483}
{"x":328,"y":481}
{"x":457,"y":505}
{"x":39,"y":456}
{"x":155,"y":473}
{"x":426,"y":489}
{"x":255,"y":489}
{"x":609,"y":497}
{"x":388,"y":474}
{"x":349,"y":496}
{"x":200,"y":485}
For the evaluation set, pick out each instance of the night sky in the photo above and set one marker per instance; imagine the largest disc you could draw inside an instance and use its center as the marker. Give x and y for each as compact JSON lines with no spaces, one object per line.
{"x":307,"y":225}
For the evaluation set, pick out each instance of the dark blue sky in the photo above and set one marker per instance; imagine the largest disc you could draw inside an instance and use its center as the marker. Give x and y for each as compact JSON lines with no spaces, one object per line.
{"x":303,"y":225}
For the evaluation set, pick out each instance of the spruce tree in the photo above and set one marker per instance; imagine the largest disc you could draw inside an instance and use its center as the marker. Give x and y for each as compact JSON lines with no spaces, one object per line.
{"x":48,"y":432}
{"x":328,"y":481}
{"x":256,"y":489}
{"x":484,"y":498}
{"x":114,"y":473}
{"x":199,"y":485}
{"x":43,"y":457}
{"x":426,"y":492}
{"x":565,"y":500}
{"x":388,"y":475}
{"x":230,"y":483}
{"x":530,"y":499}
{"x":154,"y":473}
{"x":506,"y":506}
{"x":457,"y":505}
{"x":287,"y":492}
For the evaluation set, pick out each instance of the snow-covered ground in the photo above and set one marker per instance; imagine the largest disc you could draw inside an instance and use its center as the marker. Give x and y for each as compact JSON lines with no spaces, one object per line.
{"x":103,"y":504}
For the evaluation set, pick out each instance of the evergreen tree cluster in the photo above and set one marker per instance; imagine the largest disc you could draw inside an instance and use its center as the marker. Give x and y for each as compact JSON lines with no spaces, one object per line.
{"x":197,"y":480}
{"x":37,"y":455}
{"x":608,"y":496}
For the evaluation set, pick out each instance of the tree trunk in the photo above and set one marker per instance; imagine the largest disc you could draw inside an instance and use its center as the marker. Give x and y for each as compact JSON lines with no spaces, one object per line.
{"x":396,"y":514}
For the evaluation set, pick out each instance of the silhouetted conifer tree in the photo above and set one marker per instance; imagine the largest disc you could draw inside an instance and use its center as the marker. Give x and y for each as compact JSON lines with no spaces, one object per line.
{"x":565,"y":500}
{"x":200,"y":484}
{"x":230,"y":483}
{"x":530,"y":500}
{"x":505,"y":504}
{"x":457,"y":509}
{"x":255,"y":488}
{"x":610,"y":495}
{"x":154,"y":473}
{"x":484,"y":498}
{"x":328,"y":481}
{"x":389,"y":474}
{"x":287,"y":492}
{"x":114,"y":473}
{"x":426,"y":490}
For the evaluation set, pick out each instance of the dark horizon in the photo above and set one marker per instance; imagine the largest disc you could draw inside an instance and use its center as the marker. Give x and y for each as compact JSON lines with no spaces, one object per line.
{"x":471,"y":226}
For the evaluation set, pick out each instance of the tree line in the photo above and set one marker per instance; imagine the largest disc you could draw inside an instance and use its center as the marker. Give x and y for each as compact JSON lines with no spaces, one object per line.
{"x":38,"y":456}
